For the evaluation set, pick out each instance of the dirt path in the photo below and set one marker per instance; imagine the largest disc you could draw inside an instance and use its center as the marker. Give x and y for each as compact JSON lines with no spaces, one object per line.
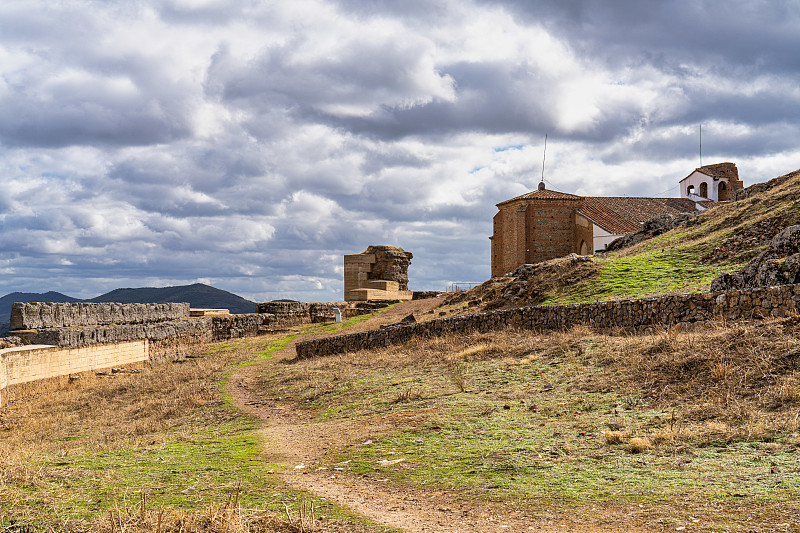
{"x":291,"y":438}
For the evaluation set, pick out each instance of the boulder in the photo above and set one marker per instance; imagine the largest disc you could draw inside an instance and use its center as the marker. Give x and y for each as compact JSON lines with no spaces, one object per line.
{"x":779,"y":264}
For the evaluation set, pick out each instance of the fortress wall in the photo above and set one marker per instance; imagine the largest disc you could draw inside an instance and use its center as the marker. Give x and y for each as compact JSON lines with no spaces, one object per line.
{"x":632,"y":314}
{"x":192,"y":330}
{"x":295,"y":313}
{"x":37,"y":315}
{"x":53,"y":354}
{"x":35,"y":368}
{"x":73,"y":337}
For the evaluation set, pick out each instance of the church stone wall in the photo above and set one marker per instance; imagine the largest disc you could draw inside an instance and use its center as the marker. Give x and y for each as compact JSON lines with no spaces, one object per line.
{"x":552,"y":220}
{"x":530,"y":231}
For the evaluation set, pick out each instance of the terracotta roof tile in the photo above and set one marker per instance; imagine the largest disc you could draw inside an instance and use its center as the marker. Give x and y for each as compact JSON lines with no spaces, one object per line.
{"x":623,"y":214}
{"x":544,"y":194}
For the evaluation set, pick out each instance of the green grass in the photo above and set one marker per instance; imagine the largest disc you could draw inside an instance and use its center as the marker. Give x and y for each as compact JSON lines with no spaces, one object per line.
{"x":508,"y":438}
{"x":347,"y":323}
{"x":645,"y":274}
{"x":196,"y":466}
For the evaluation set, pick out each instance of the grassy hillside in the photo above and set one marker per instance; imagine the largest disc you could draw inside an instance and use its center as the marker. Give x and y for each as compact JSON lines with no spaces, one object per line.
{"x":684,"y":260}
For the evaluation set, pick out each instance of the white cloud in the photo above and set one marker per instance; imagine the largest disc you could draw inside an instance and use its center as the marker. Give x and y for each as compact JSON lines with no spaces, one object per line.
{"x":251,"y":144}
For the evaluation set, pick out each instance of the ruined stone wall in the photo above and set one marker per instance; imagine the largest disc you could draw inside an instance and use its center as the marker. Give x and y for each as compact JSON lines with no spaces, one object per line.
{"x":37,"y":315}
{"x":73,"y":337}
{"x":55,"y":352}
{"x":294,"y":313}
{"x":28,"y":369}
{"x":379,"y":273}
{"x":391,"y":264}
{"x":629,"y":314}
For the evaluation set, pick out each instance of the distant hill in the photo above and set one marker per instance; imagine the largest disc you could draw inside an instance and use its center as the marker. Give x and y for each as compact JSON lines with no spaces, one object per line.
{"x":197,"y":294}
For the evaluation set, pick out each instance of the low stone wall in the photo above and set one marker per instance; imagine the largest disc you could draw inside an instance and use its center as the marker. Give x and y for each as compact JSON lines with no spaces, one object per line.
{"x":24,"y":366}
{"x":199,"y":329}
{"x":424,"y":295}
{"x":74,"y":337}
{"x":236,"y":326}
{"x":38,"y":315}
{"x":630,"y":314}
{"x":295,"y":313}
{"x":55,"y":352}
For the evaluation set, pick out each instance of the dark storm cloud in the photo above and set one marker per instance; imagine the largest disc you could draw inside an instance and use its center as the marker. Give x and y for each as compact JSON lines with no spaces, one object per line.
{"x":251,"y":144}
{"x":64,"y":87}
{"x":757,"y":33}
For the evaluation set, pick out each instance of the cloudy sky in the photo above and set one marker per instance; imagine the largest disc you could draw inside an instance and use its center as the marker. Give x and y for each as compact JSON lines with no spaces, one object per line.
{"x":249,"y":144}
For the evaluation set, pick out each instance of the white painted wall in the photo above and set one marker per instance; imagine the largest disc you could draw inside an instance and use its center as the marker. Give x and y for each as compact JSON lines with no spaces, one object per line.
{"x":695,"y":179}
{"x":601,"y":238}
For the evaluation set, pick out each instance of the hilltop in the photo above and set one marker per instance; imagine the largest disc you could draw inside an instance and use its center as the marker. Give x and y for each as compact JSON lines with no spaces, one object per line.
{"x":197,"y":294}
{"x":683,"y":260}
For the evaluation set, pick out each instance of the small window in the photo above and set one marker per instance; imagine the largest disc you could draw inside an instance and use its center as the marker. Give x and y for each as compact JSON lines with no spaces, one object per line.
{"x":703,"y":190}
{"x":690,"y":189}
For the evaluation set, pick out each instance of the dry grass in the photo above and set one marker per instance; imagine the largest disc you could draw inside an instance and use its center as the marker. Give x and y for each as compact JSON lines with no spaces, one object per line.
{"x":743,"y":376}
{"x":639,"y":445}
{"x":120,"y":413}
{"x":228,"y":519}
{"x":100,"y":413}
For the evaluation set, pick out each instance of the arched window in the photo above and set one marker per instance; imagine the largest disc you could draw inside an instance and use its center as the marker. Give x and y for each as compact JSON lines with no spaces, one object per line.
{"x":723,"y":191}
{"x":703,"y":190}
{"x":690,"y":189}
{"x":584,"y":248}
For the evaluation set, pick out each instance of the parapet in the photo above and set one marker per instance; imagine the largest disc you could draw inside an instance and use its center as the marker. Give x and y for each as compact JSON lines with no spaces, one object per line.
{"x":39,"y":315}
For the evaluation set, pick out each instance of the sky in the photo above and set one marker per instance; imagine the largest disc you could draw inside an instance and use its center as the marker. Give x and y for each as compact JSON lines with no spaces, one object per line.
{"x":250,"y":144}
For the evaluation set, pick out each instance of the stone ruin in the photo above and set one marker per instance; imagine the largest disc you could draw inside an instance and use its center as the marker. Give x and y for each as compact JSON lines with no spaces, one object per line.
{"x":379,"y":273}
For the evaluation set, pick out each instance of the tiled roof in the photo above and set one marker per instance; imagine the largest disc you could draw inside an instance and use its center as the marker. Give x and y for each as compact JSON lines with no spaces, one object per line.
{"x":719,"y":170}
{"x":544,"y":194}
{"x":622,"y":214}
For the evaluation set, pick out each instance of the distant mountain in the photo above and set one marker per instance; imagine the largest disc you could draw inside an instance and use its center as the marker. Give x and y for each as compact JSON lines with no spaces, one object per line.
{"x":198,"y":295}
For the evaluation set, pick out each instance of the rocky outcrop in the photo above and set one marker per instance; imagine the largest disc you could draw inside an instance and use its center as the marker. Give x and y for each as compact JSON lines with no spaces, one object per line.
{"x":765,"y":186}
{"x":37,"y":315}
{"x":391,"y":264}
{"x":779,"y":264}
{"x":529,"y":284}
{"x":652,"y":228}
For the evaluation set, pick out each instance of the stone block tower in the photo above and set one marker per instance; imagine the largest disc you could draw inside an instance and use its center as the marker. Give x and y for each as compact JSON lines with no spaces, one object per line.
{"x":378,"y":273}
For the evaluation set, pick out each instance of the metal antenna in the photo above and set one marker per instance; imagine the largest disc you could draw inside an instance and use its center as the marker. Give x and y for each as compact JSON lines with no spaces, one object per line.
{"x":544,"y":155}
{"x":701,"y":144}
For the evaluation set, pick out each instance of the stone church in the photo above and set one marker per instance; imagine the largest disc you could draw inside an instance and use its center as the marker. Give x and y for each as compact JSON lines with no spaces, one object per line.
{"x":545,"y":224}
